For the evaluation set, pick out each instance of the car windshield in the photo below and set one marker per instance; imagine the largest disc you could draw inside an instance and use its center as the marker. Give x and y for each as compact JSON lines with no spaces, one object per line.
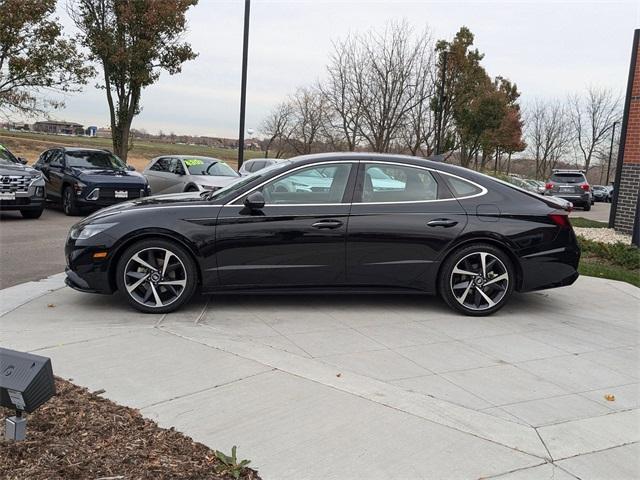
{"x":6,"y":157}
{"x":567,"y":177}
{"x":209,"y":166}
{"x":237,"y":186}
{"x":94,"y":159}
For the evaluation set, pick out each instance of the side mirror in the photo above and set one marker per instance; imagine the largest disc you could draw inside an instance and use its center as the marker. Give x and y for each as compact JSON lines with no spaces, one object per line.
{"x":22,"y":160}
{"x":254,"y":201}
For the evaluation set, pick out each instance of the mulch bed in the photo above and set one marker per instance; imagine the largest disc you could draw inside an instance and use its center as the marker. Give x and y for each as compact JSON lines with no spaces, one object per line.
{"x":79,"y":435}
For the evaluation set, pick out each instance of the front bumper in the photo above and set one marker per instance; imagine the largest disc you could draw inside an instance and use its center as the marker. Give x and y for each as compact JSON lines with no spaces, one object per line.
{"x":32,"y":199}
{"x":84,"y":273}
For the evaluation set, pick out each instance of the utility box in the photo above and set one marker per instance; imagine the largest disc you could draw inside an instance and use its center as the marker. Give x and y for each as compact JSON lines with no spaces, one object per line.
{"x":26,"y":380}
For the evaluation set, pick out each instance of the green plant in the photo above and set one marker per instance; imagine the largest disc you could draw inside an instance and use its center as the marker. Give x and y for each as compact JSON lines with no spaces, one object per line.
{"x":230,"y":465}
{"x":627,"y":256}
{"x":586,"y":223}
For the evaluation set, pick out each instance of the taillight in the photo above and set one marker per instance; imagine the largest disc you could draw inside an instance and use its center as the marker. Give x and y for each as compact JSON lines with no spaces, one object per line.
{"x":585,"y":187}
{"x":549,"y":186}
{"x":560,"y":220}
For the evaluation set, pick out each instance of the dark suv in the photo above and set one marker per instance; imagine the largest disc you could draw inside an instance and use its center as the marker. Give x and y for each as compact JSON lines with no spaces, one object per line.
{"x":21,"y":187}
{"x":85,"y":177}
{"x":571,"y":185}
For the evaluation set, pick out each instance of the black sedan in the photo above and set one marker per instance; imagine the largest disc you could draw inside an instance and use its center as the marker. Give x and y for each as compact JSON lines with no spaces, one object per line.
{"x":331,"y":223}
{"x":88,"y":178}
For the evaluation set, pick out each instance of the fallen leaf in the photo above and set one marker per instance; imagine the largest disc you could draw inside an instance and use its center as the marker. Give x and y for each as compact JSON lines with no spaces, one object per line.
{"x":338,"y":375}
{"x":610,"y":397}
{"x":51,"y":305}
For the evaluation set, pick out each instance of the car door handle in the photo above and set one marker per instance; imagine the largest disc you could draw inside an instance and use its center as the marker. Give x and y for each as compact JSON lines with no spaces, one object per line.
{"x":328,"y":224}
{"x":442,"y":222}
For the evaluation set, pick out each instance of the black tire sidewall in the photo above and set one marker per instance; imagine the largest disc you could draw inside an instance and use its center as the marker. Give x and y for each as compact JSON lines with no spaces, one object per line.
{"x":176,"y":249}
{"x":32,"y":214}
{"x":73,"y":209}
{"x":454,"y":258}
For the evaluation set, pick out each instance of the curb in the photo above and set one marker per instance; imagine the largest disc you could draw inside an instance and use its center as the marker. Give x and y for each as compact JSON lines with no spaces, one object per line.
{"x":18,"y":295}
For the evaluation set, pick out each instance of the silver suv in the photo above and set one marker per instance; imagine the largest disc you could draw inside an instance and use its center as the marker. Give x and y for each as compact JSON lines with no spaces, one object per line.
{"x":570,"y":185}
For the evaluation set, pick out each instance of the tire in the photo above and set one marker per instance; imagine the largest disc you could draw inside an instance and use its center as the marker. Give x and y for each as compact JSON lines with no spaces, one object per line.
{"x":32,"y":213}
{"x":69,"y":205}
{"x":465,"y":295}
{"x":587,"y":207}
{"x":182,"y":272}
{"x":191,"y":188}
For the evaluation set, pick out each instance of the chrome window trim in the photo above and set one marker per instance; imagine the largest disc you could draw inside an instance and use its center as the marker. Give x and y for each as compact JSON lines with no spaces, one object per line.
{"x":483,"y":190}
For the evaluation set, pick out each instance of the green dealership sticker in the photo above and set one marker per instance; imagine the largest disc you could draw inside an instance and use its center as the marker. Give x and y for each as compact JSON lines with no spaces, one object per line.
{"x":2,"y":147}
{"x":190,"y":162}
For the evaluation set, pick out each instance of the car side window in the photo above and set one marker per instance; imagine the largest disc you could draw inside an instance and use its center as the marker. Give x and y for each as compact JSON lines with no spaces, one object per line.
{"x":385,"y":183}
{"x":55,"y":159}
{"x":257,"y":165}
{"x":319,"y":184}
{"x":161,"y":165}
{"x":462,"y":188}
{"x":44,"y":159}
{"x":176,"y":167}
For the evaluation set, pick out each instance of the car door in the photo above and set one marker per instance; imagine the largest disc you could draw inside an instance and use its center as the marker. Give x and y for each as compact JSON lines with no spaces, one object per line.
{"x":54,"y":174}
{"x":402,"y":219}
{"x":160,"y":177}
{"x":296,"y":239}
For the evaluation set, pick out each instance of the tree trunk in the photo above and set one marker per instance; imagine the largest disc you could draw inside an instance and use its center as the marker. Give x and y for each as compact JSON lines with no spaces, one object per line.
{"x":509,"y":164}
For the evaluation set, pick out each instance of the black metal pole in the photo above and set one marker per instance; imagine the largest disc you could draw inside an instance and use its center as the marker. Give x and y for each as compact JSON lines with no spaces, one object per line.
{"x":613,"y":136}
{"x":443,"y":76}
{"x":243,"y":88}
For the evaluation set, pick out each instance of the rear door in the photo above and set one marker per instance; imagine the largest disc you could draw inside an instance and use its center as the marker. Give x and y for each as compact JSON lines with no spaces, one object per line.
{"x":160,"y":177}
{"x":402,"y":219}
{"x":297,"y":239}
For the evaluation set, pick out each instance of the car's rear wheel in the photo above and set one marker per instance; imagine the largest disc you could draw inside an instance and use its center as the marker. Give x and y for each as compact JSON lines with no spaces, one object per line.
{"x":32,"y":213}
{"x":587,"y":206}
{"x":69,"y":205}
{"x":156,"y":276}
{"x":477,"y":279}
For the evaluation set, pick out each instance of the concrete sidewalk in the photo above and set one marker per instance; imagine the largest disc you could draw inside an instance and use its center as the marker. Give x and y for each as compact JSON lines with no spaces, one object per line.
{"x":374,"y":387}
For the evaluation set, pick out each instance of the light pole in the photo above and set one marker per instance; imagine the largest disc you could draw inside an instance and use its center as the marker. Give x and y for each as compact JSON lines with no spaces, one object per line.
{"x":243,"y":87}
{"x":441,"y":101}
{"x":613,"y":136}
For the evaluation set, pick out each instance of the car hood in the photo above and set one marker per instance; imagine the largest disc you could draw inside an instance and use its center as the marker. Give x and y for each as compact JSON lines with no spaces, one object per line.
{"x":17,"y":169}
{"x":109,"y":176}
{"x":174,"y":199}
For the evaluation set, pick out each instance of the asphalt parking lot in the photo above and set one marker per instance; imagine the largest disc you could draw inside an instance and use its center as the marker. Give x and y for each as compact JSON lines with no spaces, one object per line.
{"x":376,"y":387}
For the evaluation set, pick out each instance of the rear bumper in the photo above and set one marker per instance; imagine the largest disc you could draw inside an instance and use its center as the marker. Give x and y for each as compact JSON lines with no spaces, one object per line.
{"x":557,"y":267}
{"x":575,"y":199}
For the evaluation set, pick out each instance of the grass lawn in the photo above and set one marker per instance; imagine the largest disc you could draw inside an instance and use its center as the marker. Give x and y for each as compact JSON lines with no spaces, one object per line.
{"x":30,"y":145}
{"x":586,"y":223}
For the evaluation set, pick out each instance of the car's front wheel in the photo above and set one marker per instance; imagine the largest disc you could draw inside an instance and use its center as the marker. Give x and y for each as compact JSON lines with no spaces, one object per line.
{"x":477,"y":279}
{"x":156,"y":276}
{"x":69,"y":204}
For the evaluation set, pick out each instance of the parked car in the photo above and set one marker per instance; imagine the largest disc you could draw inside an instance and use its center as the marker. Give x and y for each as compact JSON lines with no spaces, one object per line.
{"x":21,"y":187}
{"x":537,"y":185}
{"x":180,"y":173}
{"x":469,"y":237}
{"x":600,"y":193}
{"x":572,"y":185}
{"x":251,"y":166}
{"x":81,"y":178}
{"x":610,"y":192}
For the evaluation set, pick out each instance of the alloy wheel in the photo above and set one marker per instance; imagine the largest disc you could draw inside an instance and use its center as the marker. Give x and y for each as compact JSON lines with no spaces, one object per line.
{"x":66,"y":201}
{"x":479,"y":281}
{"x":155,"y":277}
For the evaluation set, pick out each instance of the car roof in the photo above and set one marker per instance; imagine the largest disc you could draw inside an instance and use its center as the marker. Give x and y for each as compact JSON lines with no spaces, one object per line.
{"x":81,"y":149}
{"x":186,"y":157}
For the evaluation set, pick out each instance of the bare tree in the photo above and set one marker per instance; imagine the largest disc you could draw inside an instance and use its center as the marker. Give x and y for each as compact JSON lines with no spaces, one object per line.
{"x":308,"y":117}
{"x":548,"y":132}
{"x":388,"y":81}
{"x":276,"y":126}
{"x":592,"y":117}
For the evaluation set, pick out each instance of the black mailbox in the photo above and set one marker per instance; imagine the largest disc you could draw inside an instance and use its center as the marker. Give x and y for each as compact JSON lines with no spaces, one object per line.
{"x":26,"y":380}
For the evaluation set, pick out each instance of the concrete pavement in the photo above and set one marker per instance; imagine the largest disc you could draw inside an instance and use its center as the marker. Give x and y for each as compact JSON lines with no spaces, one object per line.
{"x":365,"y":386}
{"x":599,"y":212}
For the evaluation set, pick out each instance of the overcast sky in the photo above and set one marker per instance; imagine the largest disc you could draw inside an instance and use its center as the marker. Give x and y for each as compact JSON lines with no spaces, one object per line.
{"x":549,"y":48}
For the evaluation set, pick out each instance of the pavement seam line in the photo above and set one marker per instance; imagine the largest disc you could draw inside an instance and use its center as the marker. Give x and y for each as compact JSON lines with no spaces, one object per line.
{"x":379,"y":402}
{"x":213,"y":387}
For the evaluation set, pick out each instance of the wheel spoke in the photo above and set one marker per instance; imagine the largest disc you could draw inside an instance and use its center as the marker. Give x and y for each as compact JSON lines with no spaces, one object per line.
{"x":136,"y":274}
{"x":459,"y":271}
{"x":462,"y":285}
{"x":486,"y":297}
{"x":499,"y":278}
{"x":136,"y":258}
{"x":165,"y":262}
{"x":156,"y":296}
{"x":466,"y":292}
{"x":131,"y":288}
{"x":180,"y":283}
{"x":483,"y":262}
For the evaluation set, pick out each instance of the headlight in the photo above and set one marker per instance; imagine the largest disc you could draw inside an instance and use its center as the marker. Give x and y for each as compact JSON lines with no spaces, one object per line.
{"x":209,"y":188}
{"x":39,"y":177}
{"x":88,"y":231}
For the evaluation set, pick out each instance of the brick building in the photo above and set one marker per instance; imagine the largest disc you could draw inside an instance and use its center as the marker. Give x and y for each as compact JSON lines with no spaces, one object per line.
{"x":625,"y":209}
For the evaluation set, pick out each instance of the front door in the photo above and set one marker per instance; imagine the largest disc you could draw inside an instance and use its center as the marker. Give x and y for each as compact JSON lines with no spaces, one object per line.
{"x":403,"y":217}
{"x":297,"y":238}
{"x":54,"y":174}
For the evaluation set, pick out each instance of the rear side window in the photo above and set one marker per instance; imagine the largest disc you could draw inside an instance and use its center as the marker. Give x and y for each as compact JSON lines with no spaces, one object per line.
{"x":162,"y":165}
{"x":255,"y":166}
{"x":385,"y":183}
{"x":462,"y":188}
{"x":568,"y":178}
